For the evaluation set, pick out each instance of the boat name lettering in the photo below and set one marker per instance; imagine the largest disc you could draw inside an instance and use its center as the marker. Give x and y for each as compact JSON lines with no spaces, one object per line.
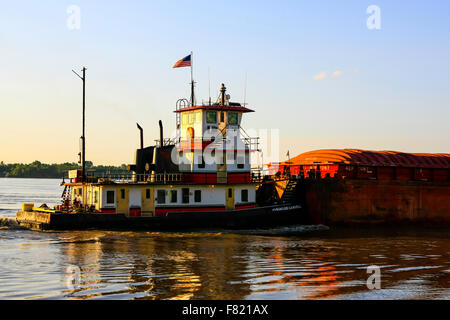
{"x":286,"y":208}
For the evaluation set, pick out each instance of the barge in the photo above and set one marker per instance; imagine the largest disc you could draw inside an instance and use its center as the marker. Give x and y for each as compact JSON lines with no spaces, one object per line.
{"x":352,"y":186}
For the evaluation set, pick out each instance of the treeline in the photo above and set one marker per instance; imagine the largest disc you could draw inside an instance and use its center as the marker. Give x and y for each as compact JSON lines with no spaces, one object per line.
{"x":37,"y":169}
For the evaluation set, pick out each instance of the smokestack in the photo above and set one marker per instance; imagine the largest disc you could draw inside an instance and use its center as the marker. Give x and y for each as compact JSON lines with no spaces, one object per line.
{"x":161,"y":134}
{"x":141,"y":134}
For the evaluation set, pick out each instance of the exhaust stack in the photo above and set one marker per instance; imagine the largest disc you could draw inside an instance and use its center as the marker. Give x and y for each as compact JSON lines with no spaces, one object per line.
{"x":141,"y":135}
{"x":161,"y":141}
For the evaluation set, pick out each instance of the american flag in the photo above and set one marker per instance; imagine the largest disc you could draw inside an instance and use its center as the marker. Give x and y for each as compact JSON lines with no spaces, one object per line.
{"x":185,"y":62}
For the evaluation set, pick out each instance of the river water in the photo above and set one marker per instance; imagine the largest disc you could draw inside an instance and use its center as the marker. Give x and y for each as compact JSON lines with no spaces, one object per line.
{"x":412,"y":264}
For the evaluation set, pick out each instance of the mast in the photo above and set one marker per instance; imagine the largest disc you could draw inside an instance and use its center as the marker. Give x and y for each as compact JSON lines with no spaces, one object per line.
{"x":83,"y":137}
{"x":192,"y":80}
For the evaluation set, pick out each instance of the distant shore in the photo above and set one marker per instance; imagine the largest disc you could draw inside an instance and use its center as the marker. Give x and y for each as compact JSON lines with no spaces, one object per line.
{"x":40,"y":170}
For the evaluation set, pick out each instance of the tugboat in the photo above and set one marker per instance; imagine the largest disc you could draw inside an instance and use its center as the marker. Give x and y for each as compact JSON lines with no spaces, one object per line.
{"x":200,"y":179}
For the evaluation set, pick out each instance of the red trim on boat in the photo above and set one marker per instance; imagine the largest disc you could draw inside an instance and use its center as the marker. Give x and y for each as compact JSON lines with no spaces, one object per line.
{"x":216,"y":108}
{"x":135,"y":212}
{"x":107,"y":210}
{"x":245,"y":206}
{"x":160,"y":212}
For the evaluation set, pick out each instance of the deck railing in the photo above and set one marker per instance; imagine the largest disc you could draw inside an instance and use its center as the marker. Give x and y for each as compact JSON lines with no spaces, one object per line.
{"x":256,"y":175}
{"x":142,"y":178}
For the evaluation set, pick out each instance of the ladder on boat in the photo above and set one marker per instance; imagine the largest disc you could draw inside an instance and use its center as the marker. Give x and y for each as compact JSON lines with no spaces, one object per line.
{"x":289,"y":191}
{"x":66,"y":195}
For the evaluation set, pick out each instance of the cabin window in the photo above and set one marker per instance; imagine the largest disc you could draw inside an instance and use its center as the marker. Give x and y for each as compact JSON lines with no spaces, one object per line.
{"x":198,"y":116}
{"x":184,"y":118}
{"x":198,"y":196}
{"x":109,"y":196}
{"x":191,"y":117}
{"x":240,"y":159}
{"x":244,"y":195}
{"x":147,"y":193}
{"x":173,"y":196}
{"x":211,"y":117}
{"x":161,"y":196}
{"x":222,"y":116}
{"x":232,"y":118}
{"x":230,"y":193}
{"x":95,"y":196}
{"x":122,"y":193}
{"x":185,"y":195}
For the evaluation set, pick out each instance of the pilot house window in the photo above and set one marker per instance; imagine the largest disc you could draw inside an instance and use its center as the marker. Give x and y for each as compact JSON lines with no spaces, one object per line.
{"x":232,"y":118}
{"x":211,"y":117}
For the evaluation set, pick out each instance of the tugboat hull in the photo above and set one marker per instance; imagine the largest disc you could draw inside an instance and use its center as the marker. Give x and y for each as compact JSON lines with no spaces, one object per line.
{"x":262,"y":217}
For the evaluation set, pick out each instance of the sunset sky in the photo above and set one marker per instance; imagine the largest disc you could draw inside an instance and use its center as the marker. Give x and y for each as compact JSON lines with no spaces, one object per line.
{"x":314,"y":71}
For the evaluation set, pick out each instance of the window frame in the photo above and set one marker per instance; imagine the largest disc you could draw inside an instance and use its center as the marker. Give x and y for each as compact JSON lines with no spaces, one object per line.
{"x":108,"y":195}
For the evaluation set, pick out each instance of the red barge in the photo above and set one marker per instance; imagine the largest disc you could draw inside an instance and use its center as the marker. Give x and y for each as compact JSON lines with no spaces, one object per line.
{"x":350,"y":186}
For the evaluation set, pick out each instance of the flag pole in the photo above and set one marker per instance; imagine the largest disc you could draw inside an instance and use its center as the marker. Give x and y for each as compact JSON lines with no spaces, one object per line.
{"x":192,"y":79}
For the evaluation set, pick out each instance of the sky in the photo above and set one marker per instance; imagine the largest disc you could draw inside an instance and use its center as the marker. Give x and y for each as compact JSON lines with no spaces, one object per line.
{"x":314,"y":72}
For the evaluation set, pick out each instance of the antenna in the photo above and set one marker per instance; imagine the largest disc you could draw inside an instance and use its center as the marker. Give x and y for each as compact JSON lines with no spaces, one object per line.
{"x":192,"y":80}
{"x":83,"y":137}
{"x":245,"y":87}
{"x":209,"y":87}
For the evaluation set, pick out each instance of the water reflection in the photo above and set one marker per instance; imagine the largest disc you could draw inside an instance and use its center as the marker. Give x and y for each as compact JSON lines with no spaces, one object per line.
{"x":157,"y":266}
{"x":226,"y":266}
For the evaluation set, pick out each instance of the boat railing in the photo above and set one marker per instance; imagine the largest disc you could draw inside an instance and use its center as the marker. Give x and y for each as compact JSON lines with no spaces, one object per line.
{"x":251,"y":142}
{"x":257,"y":175}
{"x":141,"y":178}
{"x":166,"y":142}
